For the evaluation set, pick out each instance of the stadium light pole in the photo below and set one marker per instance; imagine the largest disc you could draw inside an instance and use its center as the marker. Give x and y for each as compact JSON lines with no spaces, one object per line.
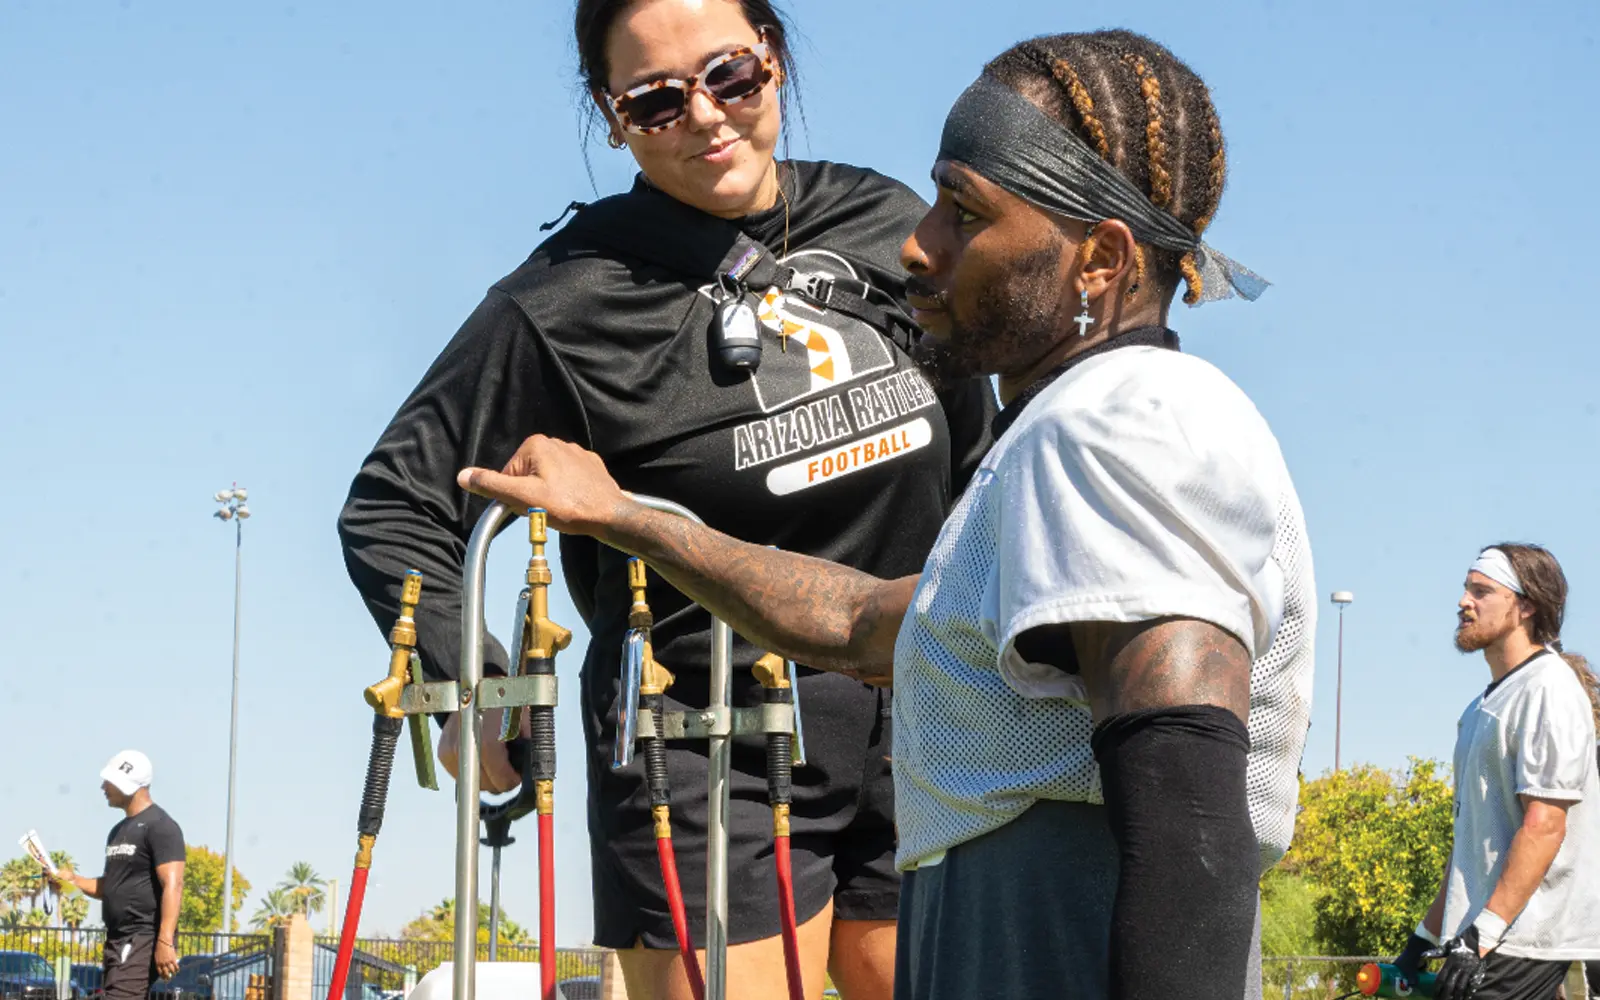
{"x":1342,"y":598}
{"x":233,"y":509}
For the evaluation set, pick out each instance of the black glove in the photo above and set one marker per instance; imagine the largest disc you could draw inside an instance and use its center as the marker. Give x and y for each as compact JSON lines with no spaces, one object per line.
{"x":1463,"y":969}
{"x":1409,"y":962}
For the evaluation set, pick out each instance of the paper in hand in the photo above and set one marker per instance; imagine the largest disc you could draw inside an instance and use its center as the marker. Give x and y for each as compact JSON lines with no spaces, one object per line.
{"x":35,"y":847}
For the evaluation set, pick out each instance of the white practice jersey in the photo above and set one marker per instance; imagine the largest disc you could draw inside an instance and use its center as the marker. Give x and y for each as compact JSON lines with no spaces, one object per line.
{"x":1531,"y":734}
{"x":1141,"y":484}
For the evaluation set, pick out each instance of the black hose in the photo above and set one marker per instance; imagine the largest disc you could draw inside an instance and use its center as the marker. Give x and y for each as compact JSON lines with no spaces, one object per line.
{"x":542,"y":722}
{"x":380,"y":762}
{"x":780,"y":753}
{"x":655,"y":752}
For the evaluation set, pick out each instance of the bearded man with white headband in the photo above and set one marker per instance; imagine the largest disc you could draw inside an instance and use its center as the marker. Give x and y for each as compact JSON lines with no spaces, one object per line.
{"x":1521,"y":897}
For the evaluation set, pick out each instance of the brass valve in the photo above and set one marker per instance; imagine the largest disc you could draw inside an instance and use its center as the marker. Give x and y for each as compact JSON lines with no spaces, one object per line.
{"x":384,"y":696}
{"x":653,"y":677}
{"x":639,"y":615}
{"x":544,"y":638}
{"x":771,"y":671}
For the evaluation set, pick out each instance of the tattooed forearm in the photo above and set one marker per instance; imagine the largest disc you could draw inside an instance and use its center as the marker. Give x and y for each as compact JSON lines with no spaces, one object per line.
{"x":809,"y":610}
{"x":1160,"y":664}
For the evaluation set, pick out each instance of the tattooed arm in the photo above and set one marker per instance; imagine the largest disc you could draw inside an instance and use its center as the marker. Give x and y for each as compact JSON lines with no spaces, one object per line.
{"x":1163,"y":663}
{"x":820,"y":613}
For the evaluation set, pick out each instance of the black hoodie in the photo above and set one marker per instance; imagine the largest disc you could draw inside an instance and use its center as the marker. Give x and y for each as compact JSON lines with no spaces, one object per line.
{"x":835,"y":448}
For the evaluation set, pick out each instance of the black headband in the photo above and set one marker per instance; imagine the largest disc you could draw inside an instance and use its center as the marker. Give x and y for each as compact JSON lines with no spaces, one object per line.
{"x":1004,"y":137}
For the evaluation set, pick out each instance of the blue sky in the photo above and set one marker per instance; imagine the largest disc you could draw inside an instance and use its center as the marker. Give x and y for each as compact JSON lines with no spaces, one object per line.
{"x":232,"y":238}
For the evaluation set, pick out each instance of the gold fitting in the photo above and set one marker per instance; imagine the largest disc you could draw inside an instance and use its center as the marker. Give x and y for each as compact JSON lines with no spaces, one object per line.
{"x":539,"y":573}
{"x":384,"y":696}
{"x":364,"y":850}
{"x":544,"y":797}
{"x":537,"y":523}
{"x":404,"y":633}
{"x":638,"y":581}
{"x":663,"y":821}
{"x":548,"y":639}
{"x":654,"y":678}
{"x":770,"y":671}
{"x":544,"y":637}
{"x":780,"y":820}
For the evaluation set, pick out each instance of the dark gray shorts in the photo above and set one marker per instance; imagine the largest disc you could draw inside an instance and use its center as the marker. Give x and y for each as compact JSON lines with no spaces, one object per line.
{"x":1019,"y":913}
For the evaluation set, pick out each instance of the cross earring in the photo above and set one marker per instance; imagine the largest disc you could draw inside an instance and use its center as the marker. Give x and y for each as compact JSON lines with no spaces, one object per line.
{"x":1083,"y":319}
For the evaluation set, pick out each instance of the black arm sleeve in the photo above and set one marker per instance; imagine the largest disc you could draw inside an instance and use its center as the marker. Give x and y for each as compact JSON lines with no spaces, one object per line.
{"x":493,"y":386}
{"x":1174,"y":781}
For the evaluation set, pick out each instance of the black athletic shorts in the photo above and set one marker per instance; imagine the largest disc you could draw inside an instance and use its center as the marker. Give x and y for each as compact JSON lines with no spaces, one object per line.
{"x":1506,"y":977}
{"x":130,"y":967}
{"x":842,"y":840}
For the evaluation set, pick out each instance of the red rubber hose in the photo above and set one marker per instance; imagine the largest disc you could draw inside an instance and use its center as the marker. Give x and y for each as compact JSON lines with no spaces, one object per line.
{"x":547,"y":905}
{"x":791,"y":930}
{"x":347,"y":937}
{"x":680,"y":916}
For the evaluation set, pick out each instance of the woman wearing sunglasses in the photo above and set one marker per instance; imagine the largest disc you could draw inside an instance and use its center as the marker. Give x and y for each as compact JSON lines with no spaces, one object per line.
{"x":833,"y":445}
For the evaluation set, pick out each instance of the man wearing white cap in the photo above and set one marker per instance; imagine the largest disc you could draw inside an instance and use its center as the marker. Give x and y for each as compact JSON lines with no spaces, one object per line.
{"x":142,"y":888}
{"x":1521,"y":897}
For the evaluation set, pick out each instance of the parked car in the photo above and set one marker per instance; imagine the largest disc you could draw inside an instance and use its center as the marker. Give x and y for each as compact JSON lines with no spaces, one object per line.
{"x":579,"y":988}
{"x":192,"y":981}
{"x":88,"y":978}
{"x":26,"y":976}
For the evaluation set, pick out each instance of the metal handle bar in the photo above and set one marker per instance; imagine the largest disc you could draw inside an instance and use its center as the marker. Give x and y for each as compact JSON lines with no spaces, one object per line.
{"x":469,"y":808}
{"x":628,"y":699}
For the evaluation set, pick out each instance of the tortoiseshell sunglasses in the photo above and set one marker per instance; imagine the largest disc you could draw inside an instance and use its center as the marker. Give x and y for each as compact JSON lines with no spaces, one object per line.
{"x":659,"y":105}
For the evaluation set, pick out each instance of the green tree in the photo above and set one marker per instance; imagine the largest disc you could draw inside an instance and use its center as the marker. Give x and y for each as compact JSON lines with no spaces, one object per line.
{"x":439,"y":924}
{"x":75,"y":910}
{"x":11,"y":920}
{"x":305,"y":887}
{"x":1288,"y":914}
{"x":1372,"y":845}
{"x":17,"y":881}
{"x":201,"y":909}
{"x":277,"y":906}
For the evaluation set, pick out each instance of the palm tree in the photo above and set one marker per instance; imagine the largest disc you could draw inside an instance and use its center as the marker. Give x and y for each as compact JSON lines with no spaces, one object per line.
{"x":276,"y":908}
{"x":75,"y":910}
{"x":305,"y":887}
{"x":17,"y":881}
{"x":12,"y":920}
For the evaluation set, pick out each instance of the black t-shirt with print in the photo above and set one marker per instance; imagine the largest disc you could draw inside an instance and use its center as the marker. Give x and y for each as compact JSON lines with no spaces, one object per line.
{"x":836,"y":447}
{"x":130,"y":892}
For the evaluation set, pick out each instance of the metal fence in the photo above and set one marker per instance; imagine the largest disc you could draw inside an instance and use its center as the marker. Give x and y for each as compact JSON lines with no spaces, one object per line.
{"x":85,"y":946}
{"x":238,"y":966}
{"x":395,"y":964}
{"x":1310,"y":977}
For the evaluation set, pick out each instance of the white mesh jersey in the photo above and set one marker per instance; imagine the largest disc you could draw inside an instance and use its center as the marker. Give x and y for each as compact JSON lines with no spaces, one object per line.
{"x":1141,"y":484}
{"x":1532,"y":734}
